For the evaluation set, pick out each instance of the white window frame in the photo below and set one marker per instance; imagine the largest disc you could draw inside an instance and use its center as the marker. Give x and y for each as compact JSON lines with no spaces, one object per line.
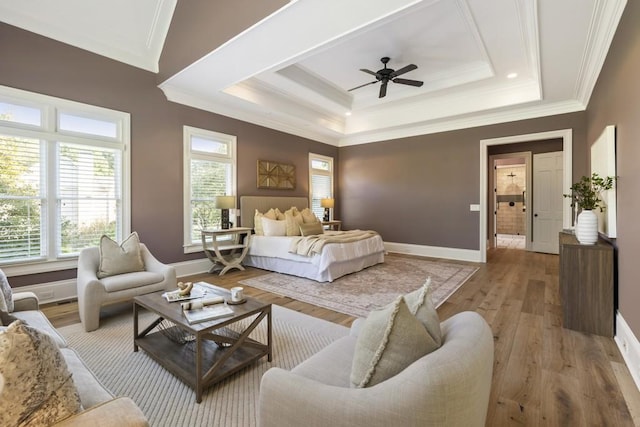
{"x":188,"y":155}
{"x":49,"y":133}
{"x":330,"y":174}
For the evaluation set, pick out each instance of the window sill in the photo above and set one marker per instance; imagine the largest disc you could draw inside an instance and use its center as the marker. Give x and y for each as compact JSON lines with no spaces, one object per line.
{"x":25,"y":268}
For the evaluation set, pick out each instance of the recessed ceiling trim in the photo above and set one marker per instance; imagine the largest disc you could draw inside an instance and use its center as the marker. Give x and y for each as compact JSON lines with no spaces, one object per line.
{"x":475,"y":120}
{"x":529,"y":27}
{"x":271,"y":99}
{"x":227,"y":105}
{"x":480,"y":99}
{"x":317,"y":84}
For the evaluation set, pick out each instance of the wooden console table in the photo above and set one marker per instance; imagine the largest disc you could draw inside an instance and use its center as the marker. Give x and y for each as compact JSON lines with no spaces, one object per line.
{"x":233,"y":241}
{"x":586,"y":285}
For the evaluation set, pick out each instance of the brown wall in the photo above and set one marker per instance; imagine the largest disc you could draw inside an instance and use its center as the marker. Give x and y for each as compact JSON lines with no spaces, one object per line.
{"x":418,"y":190}
{"x":204,"y":25}
{"x":35,"y":63}
{"x":616,"y":101}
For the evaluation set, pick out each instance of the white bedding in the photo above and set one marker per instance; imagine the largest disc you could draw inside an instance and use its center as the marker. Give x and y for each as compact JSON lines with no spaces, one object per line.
{"x":336,"y":259}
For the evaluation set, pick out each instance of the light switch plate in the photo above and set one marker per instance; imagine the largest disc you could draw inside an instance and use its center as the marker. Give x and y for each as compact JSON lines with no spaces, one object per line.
{"x":474,"y":208}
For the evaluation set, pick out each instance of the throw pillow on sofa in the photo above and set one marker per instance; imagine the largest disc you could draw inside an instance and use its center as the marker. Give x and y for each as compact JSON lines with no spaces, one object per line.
{"x":391,"y":338}
{"x":421,"y":305}
{"x":6,"y":294}
{"x":120,"y":259}
{"x":38,"y":387}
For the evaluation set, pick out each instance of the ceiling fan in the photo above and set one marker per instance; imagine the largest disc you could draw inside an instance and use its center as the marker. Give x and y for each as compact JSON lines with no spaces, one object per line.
{"x":388,"y":74}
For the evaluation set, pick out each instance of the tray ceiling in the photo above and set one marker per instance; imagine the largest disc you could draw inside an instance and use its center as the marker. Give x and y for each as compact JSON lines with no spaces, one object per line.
{"x":481,"y":61}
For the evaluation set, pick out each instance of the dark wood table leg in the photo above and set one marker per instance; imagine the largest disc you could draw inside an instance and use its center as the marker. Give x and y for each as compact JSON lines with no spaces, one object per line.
{"x":269,"y":334}
{"x":199,"y":373}
{"x":135,"y":327}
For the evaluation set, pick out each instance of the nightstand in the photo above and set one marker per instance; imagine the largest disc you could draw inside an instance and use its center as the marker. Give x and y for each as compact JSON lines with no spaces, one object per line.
{"x":227,"y":247}
{"x":332,"y":225}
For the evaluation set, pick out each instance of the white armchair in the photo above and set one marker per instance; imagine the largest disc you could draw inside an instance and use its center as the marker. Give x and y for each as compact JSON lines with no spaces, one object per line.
{"x":448,"y":387}
{"x":93,"y":292}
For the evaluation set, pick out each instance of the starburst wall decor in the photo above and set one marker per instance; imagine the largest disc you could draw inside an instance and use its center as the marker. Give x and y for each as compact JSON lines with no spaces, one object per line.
{"x":276,"y":175}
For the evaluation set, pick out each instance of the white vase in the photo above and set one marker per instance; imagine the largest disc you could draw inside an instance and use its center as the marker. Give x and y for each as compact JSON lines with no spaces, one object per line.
{"x":587,"y":227}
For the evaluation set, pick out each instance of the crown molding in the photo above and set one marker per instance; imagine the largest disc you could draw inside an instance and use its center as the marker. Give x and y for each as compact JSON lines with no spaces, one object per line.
{"x":604,"y":22}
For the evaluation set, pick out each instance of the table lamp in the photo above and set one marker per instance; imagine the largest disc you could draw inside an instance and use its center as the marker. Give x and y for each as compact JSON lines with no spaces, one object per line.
{"x":224,"y":203}
{"x":326,"y":204}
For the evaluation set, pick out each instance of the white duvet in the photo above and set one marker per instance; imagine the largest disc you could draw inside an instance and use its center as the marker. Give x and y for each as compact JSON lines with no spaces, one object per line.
{"x":278,"y":247}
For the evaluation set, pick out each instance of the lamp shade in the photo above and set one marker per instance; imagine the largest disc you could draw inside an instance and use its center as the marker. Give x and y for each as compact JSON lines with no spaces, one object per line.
{"x":224,"y":202}
{"x":326,"y":203}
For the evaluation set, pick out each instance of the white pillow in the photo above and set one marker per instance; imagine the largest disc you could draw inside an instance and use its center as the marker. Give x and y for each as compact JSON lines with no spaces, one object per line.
{"x":272,"y":227}
{"x":257,"y":220}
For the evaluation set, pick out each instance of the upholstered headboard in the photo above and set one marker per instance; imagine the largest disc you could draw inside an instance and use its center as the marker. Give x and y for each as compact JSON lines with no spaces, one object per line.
{"x":249,"y":204}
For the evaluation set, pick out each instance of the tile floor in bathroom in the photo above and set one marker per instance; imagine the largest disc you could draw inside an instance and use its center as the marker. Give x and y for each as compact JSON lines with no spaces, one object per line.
{"x":511,"y":241}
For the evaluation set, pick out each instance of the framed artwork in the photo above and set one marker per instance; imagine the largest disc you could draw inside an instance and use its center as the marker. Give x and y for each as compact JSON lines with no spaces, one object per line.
{"x":276,"y":175}
{"x":603,"y":162}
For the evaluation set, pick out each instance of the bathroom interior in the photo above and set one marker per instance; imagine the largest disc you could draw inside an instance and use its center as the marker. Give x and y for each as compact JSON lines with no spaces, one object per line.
{"x":510,"y":213}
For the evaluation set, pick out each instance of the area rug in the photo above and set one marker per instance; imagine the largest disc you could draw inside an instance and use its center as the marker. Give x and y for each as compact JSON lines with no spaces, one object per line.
{"x":164,"y":399}
{"x":358,"y":293}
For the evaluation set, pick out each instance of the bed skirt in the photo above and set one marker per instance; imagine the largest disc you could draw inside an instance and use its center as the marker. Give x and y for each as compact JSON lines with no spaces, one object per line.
{"x":310,"y":271}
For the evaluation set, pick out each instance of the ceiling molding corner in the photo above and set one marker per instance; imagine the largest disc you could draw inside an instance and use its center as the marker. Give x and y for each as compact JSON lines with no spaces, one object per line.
{"x":604,"y":22}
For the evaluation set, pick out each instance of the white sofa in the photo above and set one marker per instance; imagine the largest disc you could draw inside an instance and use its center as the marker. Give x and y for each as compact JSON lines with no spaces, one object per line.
{"x":448,"y":387}
{"x":101,"y":408}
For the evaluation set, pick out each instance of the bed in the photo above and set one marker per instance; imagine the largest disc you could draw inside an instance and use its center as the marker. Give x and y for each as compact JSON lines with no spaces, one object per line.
{"x":272,"y":252}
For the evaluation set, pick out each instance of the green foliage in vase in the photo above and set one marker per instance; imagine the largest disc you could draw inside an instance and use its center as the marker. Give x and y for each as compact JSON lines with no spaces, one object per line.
{"x":586,"y":192}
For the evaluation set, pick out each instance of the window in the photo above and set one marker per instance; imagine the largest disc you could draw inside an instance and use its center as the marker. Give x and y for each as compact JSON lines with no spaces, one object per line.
{"x":320,"y":181}
{"x":64,"y":180}
{"x":209,"y":171}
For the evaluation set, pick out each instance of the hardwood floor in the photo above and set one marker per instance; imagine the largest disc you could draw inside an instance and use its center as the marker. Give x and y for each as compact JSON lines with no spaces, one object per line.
{"x":544,"y":375}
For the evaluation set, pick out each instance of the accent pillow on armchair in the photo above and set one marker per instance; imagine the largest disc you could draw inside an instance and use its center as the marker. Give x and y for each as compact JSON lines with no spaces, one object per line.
{"x":119,"y":259}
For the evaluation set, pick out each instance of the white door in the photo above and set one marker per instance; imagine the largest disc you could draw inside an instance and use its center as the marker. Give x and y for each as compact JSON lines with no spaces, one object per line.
{"x":547,"y":201}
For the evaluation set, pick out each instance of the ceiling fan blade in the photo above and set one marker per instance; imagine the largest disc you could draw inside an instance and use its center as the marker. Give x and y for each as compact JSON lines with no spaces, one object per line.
{"x":358,"y":87}
{"x":383,"y":89}
{"x":408,"y":82}
{"x":403,"y":70}
{"x":370,"y":72}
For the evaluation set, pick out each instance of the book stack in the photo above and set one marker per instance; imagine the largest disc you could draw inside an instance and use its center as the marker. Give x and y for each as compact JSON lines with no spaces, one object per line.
{"x":208,"y":312}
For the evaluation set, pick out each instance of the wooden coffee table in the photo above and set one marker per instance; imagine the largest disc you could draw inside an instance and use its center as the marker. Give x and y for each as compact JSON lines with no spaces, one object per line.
{"x":217,"y":351}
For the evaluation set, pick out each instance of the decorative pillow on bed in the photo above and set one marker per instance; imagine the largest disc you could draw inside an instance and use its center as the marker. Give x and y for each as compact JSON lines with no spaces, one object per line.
{"x":391,"y":338}
{"x":421,"y":305}
{"x":272,"y":227}
{"x":257,"y":220}
{"x":120,"y":259}
{"x":311,"y":229}
{"x":293,"y":219}
{"x":279,"y":215}
{"x":309,"y":217}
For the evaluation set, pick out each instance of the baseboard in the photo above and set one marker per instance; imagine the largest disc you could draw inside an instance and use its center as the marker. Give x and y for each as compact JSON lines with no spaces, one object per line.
{"x":61,"y":290}
{"x":189,"y":268}
{"x":64,"y":290}
{"x":629,"y":347}
{"x":434,"y":251}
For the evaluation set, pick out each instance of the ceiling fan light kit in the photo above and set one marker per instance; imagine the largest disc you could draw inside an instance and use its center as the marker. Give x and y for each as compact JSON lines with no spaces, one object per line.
{"x":385,"y":75}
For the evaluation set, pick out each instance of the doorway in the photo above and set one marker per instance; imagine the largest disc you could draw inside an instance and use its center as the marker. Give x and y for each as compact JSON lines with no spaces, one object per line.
{"x":511,"y":181}
{"x":566,"y":135}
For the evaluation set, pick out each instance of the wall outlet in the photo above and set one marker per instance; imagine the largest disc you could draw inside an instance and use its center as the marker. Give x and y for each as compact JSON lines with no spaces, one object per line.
{"x":474,"y":207}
